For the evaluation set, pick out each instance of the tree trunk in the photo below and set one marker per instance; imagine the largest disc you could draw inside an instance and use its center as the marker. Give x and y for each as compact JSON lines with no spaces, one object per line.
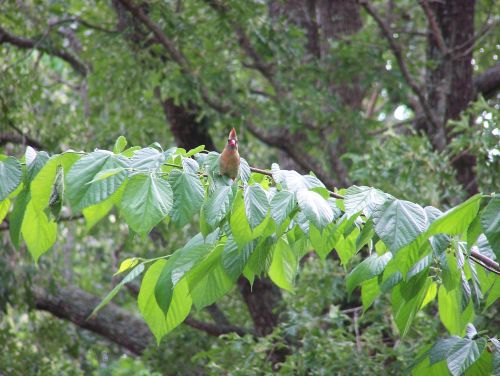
{"x":450,"y":85}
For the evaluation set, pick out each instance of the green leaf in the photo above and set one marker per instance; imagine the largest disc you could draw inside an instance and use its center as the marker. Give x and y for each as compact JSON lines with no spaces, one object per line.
{"x":42,"y":185}
{"x":38,"y":232}
{"x":105,"y":174}
{"x":369,"y":292}
{"x":36,"y":164}
{"x":120,"y":144}
{"x":208,"y":280}
{"x":181,"y":262}
{"x":188,"y":196}
{"x":293,"y":181}
{"x":407,"y":298}
{"x":369,"y":268}
{"x":315,"y":208}
{"x":4,"y":209}
{"x":463,"y":354}
{"x":364,"y":199}
{"x":450,"y":308}
{"x":282,"y":205}
{"x":10,"y":176}
{"x":217,"y":205}
{"x":256,"y":205}
{"x":147,"y":200}
{"x":127,"y":264}
{"x":399,"y":222}
{"x":456,"y":220}
{"x":80,"y":193}
{"x":194,"y":151}
{"x":235,"y":259}
{"x":17,"y":215}
{"x":284,"y":265}
{"x":490,"y":222}
{"x":244,"y":170}
{"x":346,"y":246}
{"x":324,"y":241}
{"x":159,"y":323}
{"x":240,"y":228}
{"x":147,"y":159}
{"x":134,"y":273}
{"x":93,"y":214}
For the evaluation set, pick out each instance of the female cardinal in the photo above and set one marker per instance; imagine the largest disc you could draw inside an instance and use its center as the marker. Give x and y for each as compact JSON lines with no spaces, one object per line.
{"x":230,"y":159}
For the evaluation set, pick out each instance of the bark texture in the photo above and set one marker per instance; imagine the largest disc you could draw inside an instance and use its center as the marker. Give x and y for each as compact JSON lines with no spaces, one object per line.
{"x":450,"y":85}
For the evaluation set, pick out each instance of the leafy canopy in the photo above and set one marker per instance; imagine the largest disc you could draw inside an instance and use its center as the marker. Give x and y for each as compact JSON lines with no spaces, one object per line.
{"x":263,"y":226}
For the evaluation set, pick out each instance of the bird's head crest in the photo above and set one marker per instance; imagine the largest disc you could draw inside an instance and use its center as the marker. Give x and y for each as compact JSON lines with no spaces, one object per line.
{"x":233,"y":139}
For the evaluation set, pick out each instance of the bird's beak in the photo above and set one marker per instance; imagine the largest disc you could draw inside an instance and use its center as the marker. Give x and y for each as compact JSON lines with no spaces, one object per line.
{"x":232,"y":142}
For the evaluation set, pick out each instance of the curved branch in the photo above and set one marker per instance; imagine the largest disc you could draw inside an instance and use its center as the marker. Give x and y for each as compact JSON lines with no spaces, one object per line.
{"x":30,"y":44}
{"x":488,"y":83}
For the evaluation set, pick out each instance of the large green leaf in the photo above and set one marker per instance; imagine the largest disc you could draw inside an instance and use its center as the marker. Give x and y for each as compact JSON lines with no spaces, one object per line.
{"x":324,"y":241}
{"x":17,"y":215}
{"x":235,"y":259}
{"x":456,"y":220}
{"x":42,"y":184}
{"x":407,"y":297}
{"x":370,"y":289}
{"x":10,"y":176}
{"x":147,"y":159}
{"x":293,"y":181}
{"x":188,"y":196}
{"x":463,"y":353}
{"x":364,"y":199}
{"x":35,"y":163}
{"x":369,"y":268}
{"x":147,"y":200}
{"x":256,"y":205}
{"x":284,"y":266}
{"x":181,"y":262}
{"x":208,"y":281}
{"x":159,"y":323}
{"x":81,"y":191}
{"x":217,"y":205}
{"x":315,"y":208}
{"x":450,"y":310}
{"x":490,"y":222}
{"x":134,"y":273}
{"x":399,"y":222}
{"x":240,"y":228}
{"x":38,"y":232}
{"x":282,"y":205}
{"x":4,"y":209}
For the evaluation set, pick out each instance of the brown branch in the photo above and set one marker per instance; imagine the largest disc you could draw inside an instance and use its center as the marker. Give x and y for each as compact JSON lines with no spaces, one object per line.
{"x":488,"y":82}
{"x":434,"y":27}
{"x":112,"y":322}
{"x":486,"y":262}
{"x":398,"y":54}
{"x":30,"y":44}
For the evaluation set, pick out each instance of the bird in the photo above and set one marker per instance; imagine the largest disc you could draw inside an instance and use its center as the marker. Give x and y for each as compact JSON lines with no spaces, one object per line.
{"x":229,"y":163}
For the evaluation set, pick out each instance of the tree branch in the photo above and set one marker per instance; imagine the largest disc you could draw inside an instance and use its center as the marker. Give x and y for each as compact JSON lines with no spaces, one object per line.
{"x":398,"y":54}
{"x":29,"y":44}
{"x":434,"y":27}
{"x":488,"y":83}
{"x":112,"y":322}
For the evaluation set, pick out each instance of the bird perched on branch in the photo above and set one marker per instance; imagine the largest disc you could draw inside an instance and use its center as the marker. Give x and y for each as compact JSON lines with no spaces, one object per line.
{"x":230,"y":159}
